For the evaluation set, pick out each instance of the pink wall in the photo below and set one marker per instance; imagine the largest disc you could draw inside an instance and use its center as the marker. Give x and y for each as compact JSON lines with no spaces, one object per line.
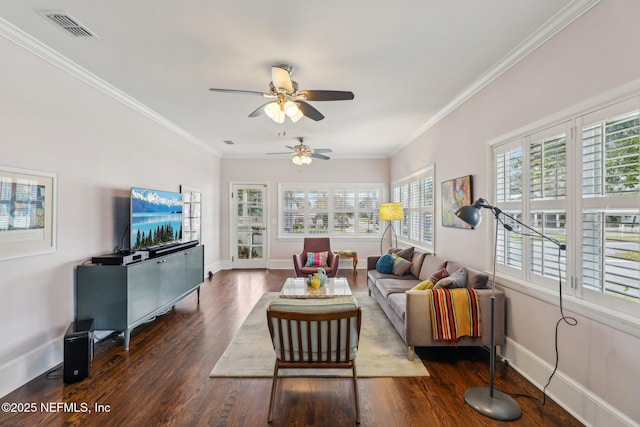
{"x":595,"y":55}
{"x":100,"y":148}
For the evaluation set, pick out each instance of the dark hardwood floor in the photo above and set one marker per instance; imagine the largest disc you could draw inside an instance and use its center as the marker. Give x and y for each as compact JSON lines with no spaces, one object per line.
{"x":163,"y":380}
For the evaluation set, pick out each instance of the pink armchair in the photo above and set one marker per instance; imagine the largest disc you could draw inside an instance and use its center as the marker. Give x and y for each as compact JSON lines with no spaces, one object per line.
{"x":316,"y":244}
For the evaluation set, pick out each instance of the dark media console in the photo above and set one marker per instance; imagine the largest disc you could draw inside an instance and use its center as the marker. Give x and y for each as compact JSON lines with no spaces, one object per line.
{"x":121,"y":297}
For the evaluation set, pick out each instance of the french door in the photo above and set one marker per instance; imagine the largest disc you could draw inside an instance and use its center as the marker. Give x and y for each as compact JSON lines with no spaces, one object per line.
{"x":248,"y":226}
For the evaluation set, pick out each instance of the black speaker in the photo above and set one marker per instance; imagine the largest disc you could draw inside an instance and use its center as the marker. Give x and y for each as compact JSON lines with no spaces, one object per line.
{"x":78,"y":350}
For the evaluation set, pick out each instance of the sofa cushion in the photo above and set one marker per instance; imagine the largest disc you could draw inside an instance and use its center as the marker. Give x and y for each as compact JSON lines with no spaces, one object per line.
{"x":388,"y":286}
{"x":416,"y":262}
{"x":476,"y":279}
{"x":453,"y":266}
{"x":406,"y":253}
{"x":430,"y":265}
{"x":457,"y":279}
{"x":398,"y":303}
{"x":385,"y":264}
{"x":374,"y":276}
{"x":432,"y":280}
{"x":317,"y":259}
{"x":400,"y":265}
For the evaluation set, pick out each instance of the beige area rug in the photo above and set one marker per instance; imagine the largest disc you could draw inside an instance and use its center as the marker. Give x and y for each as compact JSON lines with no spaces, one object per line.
{"x":381,"y":353}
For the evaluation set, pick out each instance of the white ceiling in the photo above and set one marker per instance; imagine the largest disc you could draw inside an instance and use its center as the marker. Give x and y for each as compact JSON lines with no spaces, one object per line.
{"x":407,"y":62}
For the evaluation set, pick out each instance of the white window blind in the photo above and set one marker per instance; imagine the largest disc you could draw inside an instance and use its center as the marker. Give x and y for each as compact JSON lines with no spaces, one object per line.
{"x":582,"y":181}
{"x":415,"y":193}
{"x":333,"y":210}
{"x":509,"y":249}
{"x":547,"y":168}
{"x":610,"y":247}
{"x":509,"y":175}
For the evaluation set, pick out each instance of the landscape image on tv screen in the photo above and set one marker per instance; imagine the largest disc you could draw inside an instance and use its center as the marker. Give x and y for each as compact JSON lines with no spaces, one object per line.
{"x":156,"y":217}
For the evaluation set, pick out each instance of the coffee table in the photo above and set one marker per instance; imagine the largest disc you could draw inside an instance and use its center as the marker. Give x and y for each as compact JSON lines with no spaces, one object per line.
{"x":296,"y":287}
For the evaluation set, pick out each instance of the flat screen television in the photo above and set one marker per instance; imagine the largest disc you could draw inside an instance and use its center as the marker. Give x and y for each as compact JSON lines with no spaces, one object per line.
{"x":156,"y":218}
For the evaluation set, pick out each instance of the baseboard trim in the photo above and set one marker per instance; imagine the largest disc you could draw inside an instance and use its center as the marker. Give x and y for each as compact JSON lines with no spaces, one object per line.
{"x":589,"y":409}
{"x":21,"y":370}
{"x":213,"y":268}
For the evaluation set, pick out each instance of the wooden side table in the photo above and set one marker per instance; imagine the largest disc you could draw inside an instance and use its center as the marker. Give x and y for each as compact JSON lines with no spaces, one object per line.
{"x":350,"y":254}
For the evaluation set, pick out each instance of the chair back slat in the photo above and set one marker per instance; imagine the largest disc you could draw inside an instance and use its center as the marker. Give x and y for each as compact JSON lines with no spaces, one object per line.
{"x":307,"y":338}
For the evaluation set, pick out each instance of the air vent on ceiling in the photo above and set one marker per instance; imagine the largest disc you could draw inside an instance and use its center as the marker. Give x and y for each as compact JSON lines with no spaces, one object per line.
{"x":68,"y":24}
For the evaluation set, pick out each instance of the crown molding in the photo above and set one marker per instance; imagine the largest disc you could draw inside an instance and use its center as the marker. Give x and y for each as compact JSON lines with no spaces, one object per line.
{"x":26,"y":41}
{"x":548,"y":30}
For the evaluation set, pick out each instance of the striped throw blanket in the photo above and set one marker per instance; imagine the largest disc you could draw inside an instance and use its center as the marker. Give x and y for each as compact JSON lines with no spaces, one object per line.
{"x":455,"y":313}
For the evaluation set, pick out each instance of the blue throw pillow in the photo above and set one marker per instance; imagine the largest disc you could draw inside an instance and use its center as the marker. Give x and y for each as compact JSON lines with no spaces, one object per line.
{"x":385,"y":264}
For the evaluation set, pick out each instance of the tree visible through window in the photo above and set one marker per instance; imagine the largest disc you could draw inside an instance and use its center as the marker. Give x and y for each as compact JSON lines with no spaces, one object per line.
{"x":599,"y":200}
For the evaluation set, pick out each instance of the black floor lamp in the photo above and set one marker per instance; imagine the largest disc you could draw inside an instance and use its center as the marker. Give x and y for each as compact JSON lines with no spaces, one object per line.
{"x":486,"y":400}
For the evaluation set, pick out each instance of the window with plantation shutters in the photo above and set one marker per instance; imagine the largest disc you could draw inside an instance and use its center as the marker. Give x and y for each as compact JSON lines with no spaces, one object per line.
{"x":547,"y":200}
{"x":509,"y":249}
{"x":402,"y":226}
{"x":509,"y":175}
{"x":542,"y":206}
{"x":577,"y":182}
{"x":332,"y":210}
{"x":426,"y":210}
{"x":610,"y":156}
{"x":547,"y":168}
{"x":415,"y":193}
{"x":610,"y":226}
{"x":509,"y":168}
{"x":546,"y":259}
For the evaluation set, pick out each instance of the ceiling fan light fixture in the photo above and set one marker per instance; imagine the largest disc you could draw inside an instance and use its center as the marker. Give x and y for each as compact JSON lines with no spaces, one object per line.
{"x":274,"y":112}
{"x":271,"y":109}
{"x":279,"y":117}
{"x":296,"y":116}
{"x":301,"y":159}
{"x":291,"y":108}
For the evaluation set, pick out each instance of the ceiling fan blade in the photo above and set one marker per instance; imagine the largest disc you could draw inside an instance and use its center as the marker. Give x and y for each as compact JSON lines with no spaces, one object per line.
{"x":309,"y":111}
{"x":288,"y":152}
{"x":258,"y":111}
{"x":281,"y":78}
{"x":323,"y":150}
{"x":319,"y":156}
{"x":326,"y":95}
{"x":246,"y":92}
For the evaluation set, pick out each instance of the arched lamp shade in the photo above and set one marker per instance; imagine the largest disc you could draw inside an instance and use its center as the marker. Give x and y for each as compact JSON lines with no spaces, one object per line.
{"x":470,"y":214}
{"x":390,"y":211}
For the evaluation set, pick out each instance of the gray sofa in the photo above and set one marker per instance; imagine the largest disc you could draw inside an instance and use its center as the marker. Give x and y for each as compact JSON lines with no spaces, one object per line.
{"x":410,"y":310}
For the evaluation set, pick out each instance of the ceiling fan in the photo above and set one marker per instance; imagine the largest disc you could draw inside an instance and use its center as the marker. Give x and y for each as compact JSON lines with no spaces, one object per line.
{"x":288,"y":100}
{"x":303,"y":154}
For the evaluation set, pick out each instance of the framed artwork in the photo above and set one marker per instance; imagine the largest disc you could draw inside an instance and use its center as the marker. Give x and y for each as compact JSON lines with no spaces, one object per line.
{"x":191,"y":213}
{"x":27,"y":212}
{"x":455,"y":193}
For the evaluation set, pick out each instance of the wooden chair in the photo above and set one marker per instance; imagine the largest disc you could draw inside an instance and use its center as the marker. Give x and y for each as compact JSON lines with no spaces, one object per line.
{"x":316,"y":244}
{"x":303,"y":340}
